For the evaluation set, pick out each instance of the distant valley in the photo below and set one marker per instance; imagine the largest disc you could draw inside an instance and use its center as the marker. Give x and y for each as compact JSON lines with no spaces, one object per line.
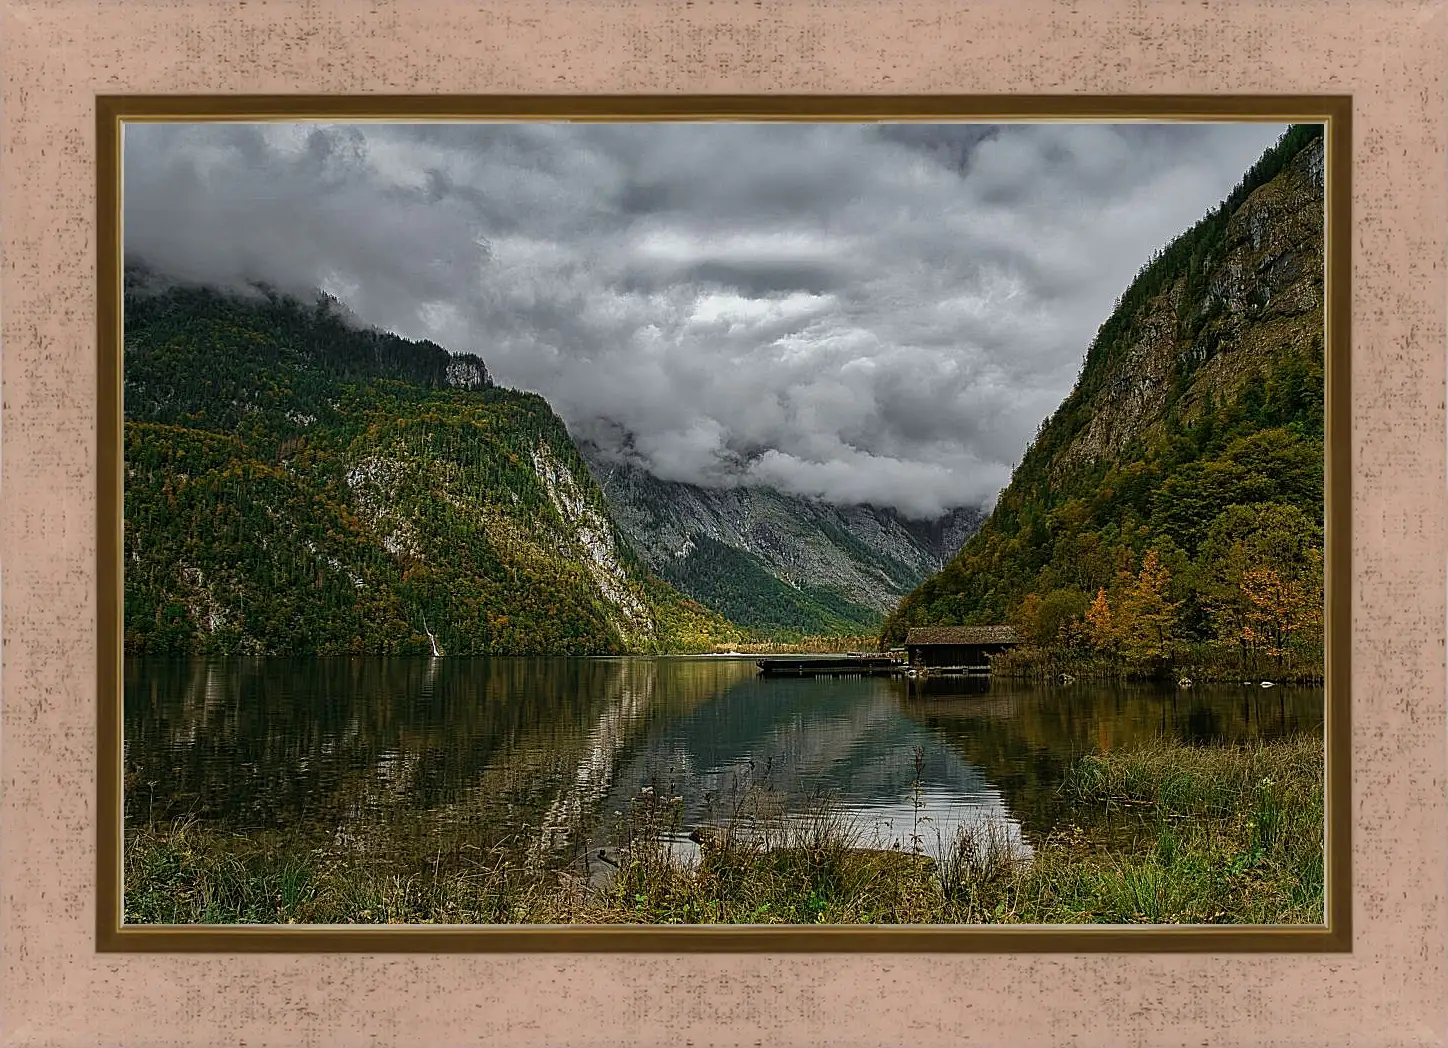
{"x":768,"y":560}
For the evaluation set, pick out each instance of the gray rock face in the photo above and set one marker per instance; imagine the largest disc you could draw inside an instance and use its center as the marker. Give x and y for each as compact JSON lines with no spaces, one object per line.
{"x":467,"y":372}
{"x":1250,"y":309}
{"x":868,"y":554}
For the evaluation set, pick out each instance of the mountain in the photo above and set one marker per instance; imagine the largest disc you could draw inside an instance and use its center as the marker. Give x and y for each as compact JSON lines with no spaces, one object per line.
{"x":297,"y":484}
{"x":772,"y":561}
{"x":1176,"y":496}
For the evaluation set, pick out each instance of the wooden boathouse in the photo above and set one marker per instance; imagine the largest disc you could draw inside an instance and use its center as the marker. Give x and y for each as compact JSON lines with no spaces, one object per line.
{"x":956,"y":650}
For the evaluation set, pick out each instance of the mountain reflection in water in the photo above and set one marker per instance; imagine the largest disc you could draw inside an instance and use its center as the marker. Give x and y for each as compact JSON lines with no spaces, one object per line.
{"x":543,"y":752}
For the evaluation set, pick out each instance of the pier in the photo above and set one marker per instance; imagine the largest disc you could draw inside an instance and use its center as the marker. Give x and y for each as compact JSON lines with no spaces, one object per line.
{"x":831,"y":666}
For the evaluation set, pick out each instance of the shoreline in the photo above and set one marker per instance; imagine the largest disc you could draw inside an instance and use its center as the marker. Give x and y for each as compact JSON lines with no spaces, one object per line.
{"x":1218,"y":834}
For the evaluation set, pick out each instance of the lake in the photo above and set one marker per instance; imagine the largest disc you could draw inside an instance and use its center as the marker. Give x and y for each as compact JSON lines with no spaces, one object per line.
{"x":543,"y":756}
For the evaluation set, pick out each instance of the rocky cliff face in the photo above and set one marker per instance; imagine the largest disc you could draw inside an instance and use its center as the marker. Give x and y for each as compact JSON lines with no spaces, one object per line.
{"x":1234,"y":312}
{"x":867,"y":556}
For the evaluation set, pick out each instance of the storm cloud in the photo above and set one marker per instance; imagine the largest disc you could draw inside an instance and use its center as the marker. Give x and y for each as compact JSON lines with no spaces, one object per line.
{"x":860,"y":313}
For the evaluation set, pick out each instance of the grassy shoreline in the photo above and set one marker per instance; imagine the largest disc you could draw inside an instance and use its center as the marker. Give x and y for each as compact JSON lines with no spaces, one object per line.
{"x":1163,"y":833}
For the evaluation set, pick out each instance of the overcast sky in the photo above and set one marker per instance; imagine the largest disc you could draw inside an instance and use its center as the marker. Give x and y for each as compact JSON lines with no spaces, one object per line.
{"x":864,"y":313}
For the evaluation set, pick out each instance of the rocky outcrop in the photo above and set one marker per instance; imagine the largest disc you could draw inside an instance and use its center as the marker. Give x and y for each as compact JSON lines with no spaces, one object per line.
{"x":597,"y":546}
{"x":466,"y":371}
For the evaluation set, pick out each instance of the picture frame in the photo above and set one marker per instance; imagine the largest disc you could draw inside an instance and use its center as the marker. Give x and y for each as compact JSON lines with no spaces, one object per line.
{"x":1335,"y":112}
{"x":67,"y":982}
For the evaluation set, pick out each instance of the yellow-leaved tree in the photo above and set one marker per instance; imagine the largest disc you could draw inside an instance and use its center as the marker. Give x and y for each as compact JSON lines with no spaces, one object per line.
{"x":1146,"y":620}
{"x":1100,"y":625}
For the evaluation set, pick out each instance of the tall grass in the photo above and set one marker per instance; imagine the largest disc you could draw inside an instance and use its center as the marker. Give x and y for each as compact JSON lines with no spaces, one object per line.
{"x":1163,"y":833}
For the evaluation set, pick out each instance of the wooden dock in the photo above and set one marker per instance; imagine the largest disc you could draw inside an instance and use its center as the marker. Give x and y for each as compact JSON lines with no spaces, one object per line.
{"x":831,"y":666}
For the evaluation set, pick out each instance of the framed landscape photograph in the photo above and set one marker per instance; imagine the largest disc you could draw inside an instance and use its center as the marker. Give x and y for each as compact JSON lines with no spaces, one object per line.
{"x":611,"y":523}
{"x":780,"y":524}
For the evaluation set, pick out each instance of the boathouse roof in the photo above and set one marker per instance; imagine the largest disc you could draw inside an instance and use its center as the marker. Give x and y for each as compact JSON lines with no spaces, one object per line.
{"x":928,"y":635}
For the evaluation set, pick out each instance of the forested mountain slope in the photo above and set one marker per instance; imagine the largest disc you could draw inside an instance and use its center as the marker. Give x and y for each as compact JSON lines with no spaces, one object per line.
{"x":294,"y":483}
{"x":1176,"y":496}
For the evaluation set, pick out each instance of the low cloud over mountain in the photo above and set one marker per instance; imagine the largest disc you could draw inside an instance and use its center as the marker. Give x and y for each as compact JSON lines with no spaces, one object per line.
{"x":863,"y":313}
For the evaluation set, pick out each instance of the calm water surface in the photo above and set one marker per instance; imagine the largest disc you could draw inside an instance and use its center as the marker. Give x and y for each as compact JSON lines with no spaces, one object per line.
{"x":545,"y":752}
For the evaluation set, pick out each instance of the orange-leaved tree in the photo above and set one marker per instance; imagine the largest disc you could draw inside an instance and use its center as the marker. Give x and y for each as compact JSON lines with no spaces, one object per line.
{"x":1100,"y":625}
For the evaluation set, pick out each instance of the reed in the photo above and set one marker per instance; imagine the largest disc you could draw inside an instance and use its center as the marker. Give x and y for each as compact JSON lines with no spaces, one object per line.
{"x":1162,"y":833}
{"x":1201,"y":663}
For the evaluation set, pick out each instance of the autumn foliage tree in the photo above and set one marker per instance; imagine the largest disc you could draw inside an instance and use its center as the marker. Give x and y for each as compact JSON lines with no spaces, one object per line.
{"x":1146,"y":617}
{"x":1100,"y":625}
{"x":1280,"y":613}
